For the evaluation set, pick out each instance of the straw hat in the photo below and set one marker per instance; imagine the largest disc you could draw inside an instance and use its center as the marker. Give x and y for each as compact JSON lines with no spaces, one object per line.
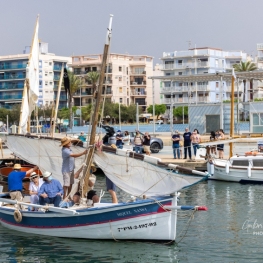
{"x":46,"y":174}
{"x":33,"y":175}
{"x":17,"y":166}
{"x":64,"y":141}
{"x":93,"y":167}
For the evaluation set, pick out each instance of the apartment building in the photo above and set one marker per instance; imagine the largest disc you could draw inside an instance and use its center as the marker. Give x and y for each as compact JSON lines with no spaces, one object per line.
{"x":197,"y":61}
{"x":126,"y":81}
{"x":258,"y":87}
{"x":13,"y":74}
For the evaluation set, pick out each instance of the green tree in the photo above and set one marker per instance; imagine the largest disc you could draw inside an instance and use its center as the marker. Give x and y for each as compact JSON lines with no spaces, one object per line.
{"x":159,"y":109}
{"x":246,"y":66}
{"x":75,"y":83}
{"x":178,"y":111}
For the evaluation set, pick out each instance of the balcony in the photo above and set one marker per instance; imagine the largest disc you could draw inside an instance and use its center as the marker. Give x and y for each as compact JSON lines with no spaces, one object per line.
{"x":138,"y":93}
{"x":137,"y":73}
{"x":7,"y":66}
{"x":175,"y":100}
{"x":11,"y":97}
{"x":134,"y":83}
{"x":191,"y":65}
{"x":11,"y":86}
{"x":13,"y":76}
{"x":56,"y":77}
{"x":57,"y":67}
{"x":62,"y":97}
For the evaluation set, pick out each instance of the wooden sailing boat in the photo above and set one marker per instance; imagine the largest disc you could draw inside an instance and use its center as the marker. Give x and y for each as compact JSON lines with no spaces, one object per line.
{"x":153,"y":216}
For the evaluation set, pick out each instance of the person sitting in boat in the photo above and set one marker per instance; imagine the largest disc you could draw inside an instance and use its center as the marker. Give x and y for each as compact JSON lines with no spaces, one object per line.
{"x":68,"y":164}
{"x":82,"y":137}
{"x":34,"y":187}
{"x":74,"y":202}
{"x":119,"y":138}
{"x":51,"y":190}
{"x":15,"y":178}
{"x":220,"y":147}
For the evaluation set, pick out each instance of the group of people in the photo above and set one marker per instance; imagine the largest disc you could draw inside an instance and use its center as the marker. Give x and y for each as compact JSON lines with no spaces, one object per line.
{"x":49,"y":190}
{"x":192,"y":139}
{"x":140,"y":143}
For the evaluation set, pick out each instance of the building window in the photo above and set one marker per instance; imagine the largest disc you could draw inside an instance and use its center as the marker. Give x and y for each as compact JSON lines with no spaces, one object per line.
{"x":40,"y":82}
{"x":217,"y":84}
{"x":120,"y":89}
{"x":50,"y":63}
{"x":46,"y":91}
{"x":120,"y":69}
{"x":180,"y":73}
{"x":50,"y":83}
{"x":216,"y":63}
{"x":120,"y":78}
{"x":120,"y":100}
{"x":180,"y":62}
{"x":217,"y":96}
{"x":138,"y":70}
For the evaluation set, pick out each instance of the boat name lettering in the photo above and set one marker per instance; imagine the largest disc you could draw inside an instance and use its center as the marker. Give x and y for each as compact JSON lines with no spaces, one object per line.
{"x":124,"y":213}
{"x":140,"y":210}
{"x":137,"y":226}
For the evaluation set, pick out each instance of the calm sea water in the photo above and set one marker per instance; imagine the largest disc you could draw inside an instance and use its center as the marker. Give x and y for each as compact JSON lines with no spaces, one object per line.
{"x":222,"y":234}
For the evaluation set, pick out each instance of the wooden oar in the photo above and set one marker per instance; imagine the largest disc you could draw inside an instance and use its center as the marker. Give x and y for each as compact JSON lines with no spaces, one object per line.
{"x":50,"y":208}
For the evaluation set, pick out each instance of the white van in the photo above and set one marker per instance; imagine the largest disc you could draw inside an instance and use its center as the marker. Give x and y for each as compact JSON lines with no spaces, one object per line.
{"x":157,"y":122}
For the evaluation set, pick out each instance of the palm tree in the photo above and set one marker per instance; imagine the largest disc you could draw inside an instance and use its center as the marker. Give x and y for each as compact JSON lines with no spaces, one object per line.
{"x":93,"y":77}
{"x":75,"y":83}
{"x":246,"y":66}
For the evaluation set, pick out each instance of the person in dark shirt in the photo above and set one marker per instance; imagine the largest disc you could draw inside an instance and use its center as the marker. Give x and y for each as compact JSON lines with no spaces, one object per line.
{"x":187,"y":144}
{"x":146,"y":143}
{"x":176,"y":145}
{"x":119,"y":137}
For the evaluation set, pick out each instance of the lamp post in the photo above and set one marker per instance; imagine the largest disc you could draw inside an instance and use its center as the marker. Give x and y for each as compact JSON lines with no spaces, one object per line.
{"x":153,"y":107}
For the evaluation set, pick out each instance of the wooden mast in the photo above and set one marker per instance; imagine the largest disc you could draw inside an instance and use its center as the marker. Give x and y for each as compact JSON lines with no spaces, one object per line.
{"x":232,"y":113}
{"x":96,"y":111}
{"x":57,"y":102}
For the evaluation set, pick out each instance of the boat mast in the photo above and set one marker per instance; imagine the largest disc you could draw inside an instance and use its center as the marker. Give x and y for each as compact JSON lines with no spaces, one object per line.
{"x":232,"y":114}
{"x":57,"y":102}
{"x":96,"y":110}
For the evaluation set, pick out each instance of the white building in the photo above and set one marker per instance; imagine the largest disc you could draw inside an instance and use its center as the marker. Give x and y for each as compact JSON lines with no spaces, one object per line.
{"x":258,"y":87}
{"x":197,"y":61}
{"x":13,"y":74}
{"x":126,"y":82}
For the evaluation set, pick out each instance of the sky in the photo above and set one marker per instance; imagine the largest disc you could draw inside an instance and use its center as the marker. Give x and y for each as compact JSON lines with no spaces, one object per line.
{"x":140,"y":27}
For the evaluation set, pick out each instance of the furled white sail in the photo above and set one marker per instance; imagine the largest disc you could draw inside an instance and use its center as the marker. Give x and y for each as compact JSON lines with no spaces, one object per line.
{"x":30,"y":96}
{"x":138,"y":177}
{"x":46,"y":153}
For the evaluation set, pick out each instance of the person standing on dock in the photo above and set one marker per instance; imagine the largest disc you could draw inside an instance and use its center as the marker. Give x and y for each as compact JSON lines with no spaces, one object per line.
{"x":220,"y":147}
{"x":176,"y":145}
{"x":195,"y":139}
{"x":146,"y":143}
{"x":187,"y":144}
{"x":68,"y":164}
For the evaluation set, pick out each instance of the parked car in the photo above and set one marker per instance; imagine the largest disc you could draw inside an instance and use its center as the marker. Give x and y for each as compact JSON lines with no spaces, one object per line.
{"x":156,"y":144}
{"x":159,"y":122}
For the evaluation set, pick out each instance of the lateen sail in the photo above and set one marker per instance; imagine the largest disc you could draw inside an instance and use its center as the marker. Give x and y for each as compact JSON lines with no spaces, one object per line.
{"x":30,"y":98}
{"x":46,"y":153}
{"x":137,"y":177}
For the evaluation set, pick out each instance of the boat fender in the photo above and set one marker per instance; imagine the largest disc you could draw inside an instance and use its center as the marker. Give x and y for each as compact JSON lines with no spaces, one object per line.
{"x":249,"y":171}
{"x":210,"y":168}
{"x":17,"y":216}
{"x":150,"y":159}
{"x":227,"y":168}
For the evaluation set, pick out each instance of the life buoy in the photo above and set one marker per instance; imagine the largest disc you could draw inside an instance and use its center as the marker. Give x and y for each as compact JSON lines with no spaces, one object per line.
{"x":18,"y":216}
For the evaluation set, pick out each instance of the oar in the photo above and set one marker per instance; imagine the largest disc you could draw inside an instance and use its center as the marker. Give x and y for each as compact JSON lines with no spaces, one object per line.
{"x":184,"y":207}
{"x":50,"y":208}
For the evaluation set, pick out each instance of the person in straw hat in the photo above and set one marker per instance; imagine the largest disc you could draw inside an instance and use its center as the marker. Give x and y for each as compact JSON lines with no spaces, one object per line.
{"x":15,"y":178}
{"x":51,"y":190}
{"x":68,"y":164}
{"x":34,"y":187}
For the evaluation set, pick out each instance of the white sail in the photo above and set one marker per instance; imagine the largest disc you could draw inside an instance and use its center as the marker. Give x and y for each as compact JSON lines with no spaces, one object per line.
{"x":30,"y":96}
{"x":138,"y":177}
{"x":46,"y":153}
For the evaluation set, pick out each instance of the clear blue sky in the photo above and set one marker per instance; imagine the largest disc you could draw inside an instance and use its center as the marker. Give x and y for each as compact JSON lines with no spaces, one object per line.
{"x":140,"y":27}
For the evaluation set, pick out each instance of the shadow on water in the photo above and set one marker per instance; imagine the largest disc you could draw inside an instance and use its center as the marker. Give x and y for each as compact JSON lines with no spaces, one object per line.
{"x":18,"y":247}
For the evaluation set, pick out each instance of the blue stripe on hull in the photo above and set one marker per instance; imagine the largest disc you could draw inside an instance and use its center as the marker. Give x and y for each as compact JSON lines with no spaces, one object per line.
{"x":45,"y":220}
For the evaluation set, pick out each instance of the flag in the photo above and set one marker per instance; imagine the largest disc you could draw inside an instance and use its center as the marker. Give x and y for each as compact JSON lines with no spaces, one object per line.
{"x":30,"y":98}
{"x":66,"y":83}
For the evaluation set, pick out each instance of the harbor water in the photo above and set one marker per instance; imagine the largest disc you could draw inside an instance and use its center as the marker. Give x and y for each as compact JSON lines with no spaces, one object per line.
{"x":230,"y":231}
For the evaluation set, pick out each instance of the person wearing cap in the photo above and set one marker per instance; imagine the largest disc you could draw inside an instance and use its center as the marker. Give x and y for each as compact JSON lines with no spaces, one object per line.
{"x":68,"y":164}
{"x":15,"y":185}
{"x":34,"y":187}
{"x":82,"y":137}
{"x":176,"y":145}
{"x":50,"y":191}
{"x":119,"y":138}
